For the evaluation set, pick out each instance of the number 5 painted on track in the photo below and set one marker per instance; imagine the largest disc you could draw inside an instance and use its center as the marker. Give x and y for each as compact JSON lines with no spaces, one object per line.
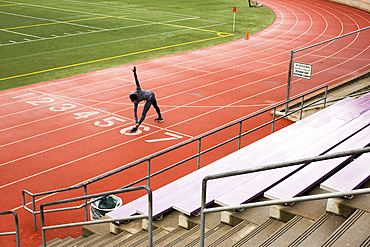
{"x":109,"y":121}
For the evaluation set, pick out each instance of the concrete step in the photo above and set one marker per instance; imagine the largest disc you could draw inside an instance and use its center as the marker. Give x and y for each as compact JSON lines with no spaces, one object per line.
{"x":184,"y":239}
{"x":80,"y":241}
{"x":170,"y":237}
{"x":53,"y":242}
{"x":139,"y":239}
{"x":100,"y":240}
{"x":213,"y":233}
{"x":157,"y":234}
{"x":63,"y":242}
{"x":116,"y":238}
{"x":128,"y":240}
{"x":318,"y":232}
{"x":261,"y":233}
{"x":355,"y":231}
{"x":234,"y":235}
{"x":289,"y":232}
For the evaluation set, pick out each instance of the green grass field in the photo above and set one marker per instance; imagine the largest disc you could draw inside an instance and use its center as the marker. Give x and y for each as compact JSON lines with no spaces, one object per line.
{"x":43,"y":40}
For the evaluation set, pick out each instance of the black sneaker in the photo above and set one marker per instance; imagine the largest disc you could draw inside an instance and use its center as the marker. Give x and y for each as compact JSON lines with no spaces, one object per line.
{"x":159,"y":119}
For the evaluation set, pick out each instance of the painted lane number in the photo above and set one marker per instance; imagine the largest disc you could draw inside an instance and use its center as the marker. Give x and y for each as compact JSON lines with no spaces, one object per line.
{"x":108,"y":121}
{"x":172,"y":137}
{"x":126,"y":131}
{"x":63,"y":107}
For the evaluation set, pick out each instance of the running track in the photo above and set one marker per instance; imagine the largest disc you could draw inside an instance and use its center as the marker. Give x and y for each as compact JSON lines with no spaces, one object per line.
{"x":64,"y":132}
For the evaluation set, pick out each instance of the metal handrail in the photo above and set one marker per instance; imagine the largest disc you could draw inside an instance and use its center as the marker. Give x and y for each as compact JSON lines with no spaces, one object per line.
{"x":197,"y":155}
{"x":205,"y":210}
{"x":16,"y":233}
{"x":104,"y":194}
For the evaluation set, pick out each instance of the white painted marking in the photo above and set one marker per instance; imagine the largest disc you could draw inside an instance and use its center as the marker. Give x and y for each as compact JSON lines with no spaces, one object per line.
{"x":85,"y":114}
{"x":174,"y":137}
{"x":63,"y":107}
{"x":23,"y":95}
{"x":126,"y":131}
{"x":108,"y":121}
{"x":42,"y":101}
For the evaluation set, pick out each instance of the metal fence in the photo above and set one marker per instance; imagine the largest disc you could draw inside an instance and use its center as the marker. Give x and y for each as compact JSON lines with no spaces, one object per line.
{"x":335,"y":62}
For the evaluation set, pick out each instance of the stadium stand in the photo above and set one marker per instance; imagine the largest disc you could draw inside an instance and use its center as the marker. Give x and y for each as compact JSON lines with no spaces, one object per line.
{"x":342,"y":126}
{"x":350,"y":177}
{"x":339,"y":127}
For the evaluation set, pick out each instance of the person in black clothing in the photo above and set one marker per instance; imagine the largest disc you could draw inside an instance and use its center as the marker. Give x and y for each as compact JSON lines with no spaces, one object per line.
{"x":140,"y":95}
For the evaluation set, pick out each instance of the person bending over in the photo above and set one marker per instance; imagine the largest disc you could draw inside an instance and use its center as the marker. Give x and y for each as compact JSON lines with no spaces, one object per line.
{"x":140,"y":95}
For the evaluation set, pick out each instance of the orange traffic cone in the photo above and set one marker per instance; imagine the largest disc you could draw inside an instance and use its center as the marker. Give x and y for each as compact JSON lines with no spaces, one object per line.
{"x":246,"y":35}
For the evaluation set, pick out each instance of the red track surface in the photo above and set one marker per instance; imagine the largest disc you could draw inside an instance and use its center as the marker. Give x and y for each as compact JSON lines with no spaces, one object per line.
{"x":47,"y":144}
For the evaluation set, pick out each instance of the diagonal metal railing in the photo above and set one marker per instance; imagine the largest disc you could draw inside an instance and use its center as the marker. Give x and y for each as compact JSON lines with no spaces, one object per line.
{"x":320,"y":93}
{"x":204,"y":210}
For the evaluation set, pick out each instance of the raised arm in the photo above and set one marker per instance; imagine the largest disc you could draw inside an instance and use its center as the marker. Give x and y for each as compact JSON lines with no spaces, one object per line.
{"x":136,"y":80}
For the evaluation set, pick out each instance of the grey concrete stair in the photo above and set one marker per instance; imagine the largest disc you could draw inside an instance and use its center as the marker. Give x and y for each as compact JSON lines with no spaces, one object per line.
{"x":355,"y":231}
{"x":211,"y":234}
{"x":170,"y":237}
{"x":327,"y":230}
{"x":262,"y":232}
{"x":117,"y":238}
{"x":318,"y":232}
{"x":140,"y":236}
{"x":53,"y":242}
{"x":185,"y":238}
{"x":234,"y":235}
{"x":80,"y":241}
{"x":290,"y":231}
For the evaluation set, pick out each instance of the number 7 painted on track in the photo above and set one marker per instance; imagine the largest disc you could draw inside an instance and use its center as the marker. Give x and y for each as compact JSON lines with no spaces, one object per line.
{"x":173,"y":137}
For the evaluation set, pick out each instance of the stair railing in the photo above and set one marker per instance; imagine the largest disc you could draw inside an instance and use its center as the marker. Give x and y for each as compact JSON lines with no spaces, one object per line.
{"x":104,"y":194}
{"x":16,"y":233}
{"x":204,"y":210}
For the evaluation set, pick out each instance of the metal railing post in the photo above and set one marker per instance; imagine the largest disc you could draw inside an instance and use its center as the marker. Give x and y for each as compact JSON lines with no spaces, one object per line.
{"x":199,"y":148}
{"x":16,"y":228}
{"x":202,"y":214}
{"x":33,"y":212}
{"x":149,"y":173}
{"x":273,"y":120}
{"x":302,"y":103}
{"x":289,"y":78}
{"x":86,"y":210}
{"x":240,"y":134}
{"x":42,"y":225}
{"x":150,"y":216}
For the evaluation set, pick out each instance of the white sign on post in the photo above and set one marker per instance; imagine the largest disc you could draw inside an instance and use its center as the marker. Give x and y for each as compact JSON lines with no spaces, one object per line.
{"x":302,"y":70}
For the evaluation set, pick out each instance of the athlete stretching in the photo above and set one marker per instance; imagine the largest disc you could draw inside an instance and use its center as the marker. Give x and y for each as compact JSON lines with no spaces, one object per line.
{"x":141,"y":95}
